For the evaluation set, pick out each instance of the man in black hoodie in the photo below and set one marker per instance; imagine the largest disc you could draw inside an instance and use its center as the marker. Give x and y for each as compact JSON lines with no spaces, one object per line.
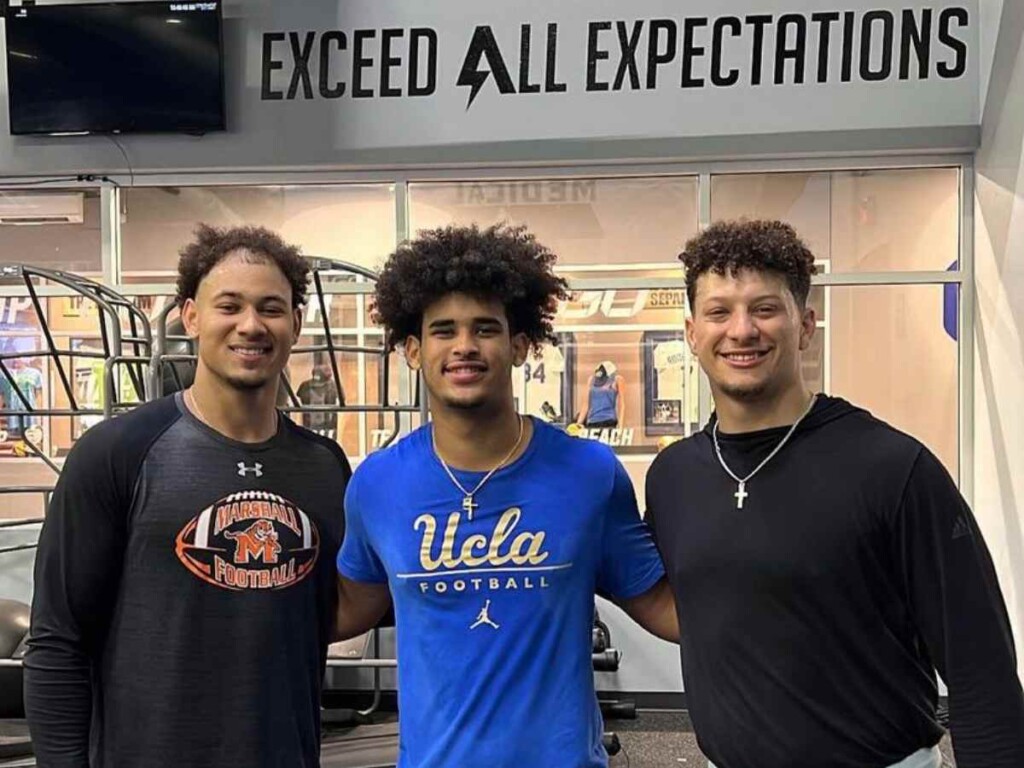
{"x":824,"y":565}
{"x":320,"y":389}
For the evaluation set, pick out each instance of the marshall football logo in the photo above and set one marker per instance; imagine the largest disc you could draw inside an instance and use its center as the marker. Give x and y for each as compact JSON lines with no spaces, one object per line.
{"x":249,"y":540}
{"x":259,"y":541}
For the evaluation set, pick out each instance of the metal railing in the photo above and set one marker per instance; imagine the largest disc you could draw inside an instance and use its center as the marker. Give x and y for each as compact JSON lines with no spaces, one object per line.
{"x":23,"y":522}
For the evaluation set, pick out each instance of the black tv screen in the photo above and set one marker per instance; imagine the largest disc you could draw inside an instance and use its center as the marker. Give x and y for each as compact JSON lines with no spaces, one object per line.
{"x":115,"y":68}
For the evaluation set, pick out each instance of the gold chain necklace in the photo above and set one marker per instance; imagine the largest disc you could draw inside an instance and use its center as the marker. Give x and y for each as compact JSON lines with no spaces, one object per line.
{"x":190,"y":396}
{"x":195,"y":406}
{"x":468,"y":505}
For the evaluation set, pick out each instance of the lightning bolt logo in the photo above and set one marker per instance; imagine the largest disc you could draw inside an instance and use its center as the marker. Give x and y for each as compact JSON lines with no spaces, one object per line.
{"x":484,"y":46}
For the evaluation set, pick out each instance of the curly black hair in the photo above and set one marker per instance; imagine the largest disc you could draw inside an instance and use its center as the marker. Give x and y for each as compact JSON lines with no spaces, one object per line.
{"x":500,"y":262}
{"x":762,"y":245}
{"x":212,"y":244}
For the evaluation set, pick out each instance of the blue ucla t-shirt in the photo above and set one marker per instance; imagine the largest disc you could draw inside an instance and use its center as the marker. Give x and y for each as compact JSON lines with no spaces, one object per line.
{"x":494,"y":612}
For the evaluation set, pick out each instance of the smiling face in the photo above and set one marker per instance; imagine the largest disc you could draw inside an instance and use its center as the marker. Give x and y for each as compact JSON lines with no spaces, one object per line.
{"x":466,"y":352}
{"x":244,"y":320}
{"x":748,"y":331}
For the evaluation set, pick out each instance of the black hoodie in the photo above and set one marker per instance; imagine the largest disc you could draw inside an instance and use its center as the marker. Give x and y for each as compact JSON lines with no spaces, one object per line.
{"x":320,"y":390}
{"x":814,"y":618}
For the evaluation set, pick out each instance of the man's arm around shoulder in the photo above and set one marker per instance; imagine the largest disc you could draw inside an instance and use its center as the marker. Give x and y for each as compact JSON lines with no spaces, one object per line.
{"x":361,"y":606}
{"x":655,"y":611}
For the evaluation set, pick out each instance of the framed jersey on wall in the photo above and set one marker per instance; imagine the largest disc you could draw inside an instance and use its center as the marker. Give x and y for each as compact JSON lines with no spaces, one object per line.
{"x":542,"y":385}
{"x":670,"y":384}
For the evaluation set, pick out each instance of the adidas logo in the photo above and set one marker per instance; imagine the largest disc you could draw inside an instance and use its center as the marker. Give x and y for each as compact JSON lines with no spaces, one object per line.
{"x":961,"y":528}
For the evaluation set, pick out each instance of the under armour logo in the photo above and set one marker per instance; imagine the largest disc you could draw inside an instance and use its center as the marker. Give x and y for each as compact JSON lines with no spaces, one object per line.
{"x":256,"y":469}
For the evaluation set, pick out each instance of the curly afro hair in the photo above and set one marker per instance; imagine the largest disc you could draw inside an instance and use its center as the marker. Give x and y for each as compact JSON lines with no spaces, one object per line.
{"x":212,"y":244}
{"x":503,"y":262}
{"x":763,"y":246}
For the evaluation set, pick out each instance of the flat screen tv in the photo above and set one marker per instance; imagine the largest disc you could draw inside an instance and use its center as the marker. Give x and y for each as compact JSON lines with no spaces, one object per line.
{"x":115,"y":68}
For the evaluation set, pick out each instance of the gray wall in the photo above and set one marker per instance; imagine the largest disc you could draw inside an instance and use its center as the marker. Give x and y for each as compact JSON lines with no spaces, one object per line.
{"x":999,"y":316}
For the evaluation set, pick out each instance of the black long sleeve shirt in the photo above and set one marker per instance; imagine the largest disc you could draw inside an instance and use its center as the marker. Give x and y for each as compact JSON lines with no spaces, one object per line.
{"x":184,"y":596}
{"x":815,"y":617}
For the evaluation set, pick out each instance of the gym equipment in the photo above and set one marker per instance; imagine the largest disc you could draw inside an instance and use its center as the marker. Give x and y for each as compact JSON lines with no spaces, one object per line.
{"x":14,"y":739}
{"x":124,"y":339}
{"x":606,"y":659}
{"x":130,"y":347}
{"x":13,"y":631}
{"x":15,"y":744}
{"x":611,"y":743}
{"x":125,"y":342}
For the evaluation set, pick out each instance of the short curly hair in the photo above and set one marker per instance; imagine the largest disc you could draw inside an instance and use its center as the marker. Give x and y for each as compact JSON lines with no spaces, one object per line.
{"x":212,"y":244}
{"x":502,"y":261}
{"x":761,"y":245}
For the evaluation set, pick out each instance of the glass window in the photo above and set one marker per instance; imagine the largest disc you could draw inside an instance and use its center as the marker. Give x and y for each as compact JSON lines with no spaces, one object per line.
{"x":24,"y":378}
{"x":64,"y":379}
{"x":29,"y":381}
{"x":55,"y":229}
{"x":893,"y":350}
{"x":895,"y":220}
{"x":353,"y":223}
{"x":604,"y":222}
{"x":857,"y":221}
{"x":360,"y":373}
{"x":802,"y":199}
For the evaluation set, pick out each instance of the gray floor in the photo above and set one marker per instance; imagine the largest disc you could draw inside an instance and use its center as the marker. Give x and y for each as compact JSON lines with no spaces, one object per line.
{"x":666,"y":740}
{"x":654,"y":740}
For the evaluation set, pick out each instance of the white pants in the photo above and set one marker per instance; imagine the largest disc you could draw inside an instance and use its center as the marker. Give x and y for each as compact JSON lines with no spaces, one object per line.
{"x":923,"y":758}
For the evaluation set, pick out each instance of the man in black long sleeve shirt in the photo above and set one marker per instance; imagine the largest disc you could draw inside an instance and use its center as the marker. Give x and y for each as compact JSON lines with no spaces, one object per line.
{"x":824,"y":564}
{"x":184,"y":583}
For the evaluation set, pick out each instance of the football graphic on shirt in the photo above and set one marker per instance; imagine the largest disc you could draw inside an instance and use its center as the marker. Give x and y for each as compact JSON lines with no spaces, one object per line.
{"x":251,"y":540}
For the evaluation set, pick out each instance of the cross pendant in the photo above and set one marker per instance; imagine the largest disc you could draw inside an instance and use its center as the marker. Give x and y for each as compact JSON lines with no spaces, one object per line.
{"x":741,"y":494}
{"x":468,"y":506}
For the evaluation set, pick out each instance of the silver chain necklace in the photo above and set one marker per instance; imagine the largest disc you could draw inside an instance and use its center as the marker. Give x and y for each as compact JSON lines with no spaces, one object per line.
{"x":741,"y":493}
{"x":468,"y":505}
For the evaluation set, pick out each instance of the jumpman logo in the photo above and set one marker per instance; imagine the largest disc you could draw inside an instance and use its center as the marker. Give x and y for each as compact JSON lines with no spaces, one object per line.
{"x":483,"y":618}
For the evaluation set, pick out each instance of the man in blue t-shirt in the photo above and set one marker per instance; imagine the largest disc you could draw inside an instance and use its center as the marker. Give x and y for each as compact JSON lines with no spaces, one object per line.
{"x":490,"y":531}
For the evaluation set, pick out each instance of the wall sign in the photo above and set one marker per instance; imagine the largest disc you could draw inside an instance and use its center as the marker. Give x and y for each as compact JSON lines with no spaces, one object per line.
{"x":350,"y":83}
{"x":512,"y":71}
